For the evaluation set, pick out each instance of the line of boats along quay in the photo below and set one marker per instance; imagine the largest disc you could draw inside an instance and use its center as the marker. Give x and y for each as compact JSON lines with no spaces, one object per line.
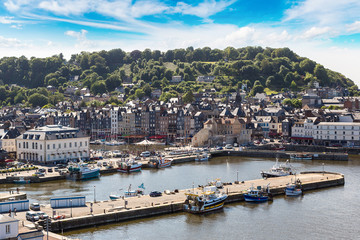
{"x":194,"y":200}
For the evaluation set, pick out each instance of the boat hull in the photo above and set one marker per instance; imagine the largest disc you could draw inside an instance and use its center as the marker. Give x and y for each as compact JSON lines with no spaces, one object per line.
{"x":249,"y":198}
{"x":129,"y":170}
{"x":207,"y":207}
{"x":21,"y":181}
{"x":91,"y":174}
{"x":272,"y":175}
{"x":114,"y":197}
{"x":164,"y":164}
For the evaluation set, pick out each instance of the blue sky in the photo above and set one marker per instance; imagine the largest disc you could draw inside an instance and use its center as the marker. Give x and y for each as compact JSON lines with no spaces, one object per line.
{"x":325,"y":31}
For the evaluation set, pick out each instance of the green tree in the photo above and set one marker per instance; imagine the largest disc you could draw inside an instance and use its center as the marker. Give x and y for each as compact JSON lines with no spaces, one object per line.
{"x":112,"y":82}
{"x":19,"y":98}
{"x":293,"y":86}
{"x":98,"y":88}
{"x":38,"y":100}
{"x":256,"y":89}
{"x":139,"y":93}
{"x":188,"y":97}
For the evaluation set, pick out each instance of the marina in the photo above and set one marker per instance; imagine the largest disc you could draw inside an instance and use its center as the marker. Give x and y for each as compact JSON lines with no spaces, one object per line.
{"x":222,"y":167}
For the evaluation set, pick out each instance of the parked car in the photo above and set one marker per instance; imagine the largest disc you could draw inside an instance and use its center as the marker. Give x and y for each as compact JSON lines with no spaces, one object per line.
{"x":155,"y":194}
{"x":40,"y":174}
{"x":32,"y":216}
{"x":61,"y":166}
{"x":35,"y":206}
{"x":41,"y":170}
{"x":228,"y":146}
{"x":219,"y":148}
{"x":271,"y":140}
{"x":42,"y":215}
{"x":104,"y":164}
{"x":56,"y":169}
{"x":145,"y":154}
{"x":50,"y":170}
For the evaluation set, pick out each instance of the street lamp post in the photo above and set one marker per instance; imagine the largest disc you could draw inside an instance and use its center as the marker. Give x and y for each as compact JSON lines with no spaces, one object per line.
{"x":71,"y":207}
{"x":94,"y":195}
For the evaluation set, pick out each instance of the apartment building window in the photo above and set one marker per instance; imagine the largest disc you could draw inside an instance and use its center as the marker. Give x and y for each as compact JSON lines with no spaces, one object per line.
{"x":27,"y":145}
{"x":48,"y":146}
{"x":54,"y":146}
{"x":36,"y":146}
{"x":64,"y":145}
{"x":70,"y":144}
{"x":40,"y":146}
{"x":7,"y":229}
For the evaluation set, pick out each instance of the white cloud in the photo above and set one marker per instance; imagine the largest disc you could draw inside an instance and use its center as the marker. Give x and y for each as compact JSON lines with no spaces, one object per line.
{"x":66,"y":7}
{"x":82,"y":41}
{"x":324,"y":12}
{"x":204,"y":9}
{"x":11,"y":43}
{"x":315,"y":32}
{"x":354,"y":27}
{"x":16,"y":5}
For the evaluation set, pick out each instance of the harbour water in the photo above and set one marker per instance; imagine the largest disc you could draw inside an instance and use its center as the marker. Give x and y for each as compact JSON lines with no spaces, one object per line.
{"x":329,"y":213}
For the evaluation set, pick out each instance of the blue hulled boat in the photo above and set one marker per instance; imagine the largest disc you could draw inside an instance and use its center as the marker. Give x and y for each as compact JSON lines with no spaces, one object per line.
{"x":256,"y":195}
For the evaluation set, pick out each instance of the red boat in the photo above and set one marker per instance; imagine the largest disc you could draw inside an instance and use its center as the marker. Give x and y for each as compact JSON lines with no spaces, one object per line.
{"x":129,"y":166}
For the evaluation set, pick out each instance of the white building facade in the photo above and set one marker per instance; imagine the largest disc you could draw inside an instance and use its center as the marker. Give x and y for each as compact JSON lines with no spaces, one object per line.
{"x":9,"y":227}
{"x":52,"y":143}
{"x":114,"y":113}
{"x":328,"y":133}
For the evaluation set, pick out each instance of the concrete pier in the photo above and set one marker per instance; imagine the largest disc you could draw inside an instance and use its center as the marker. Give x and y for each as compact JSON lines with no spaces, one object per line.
{"x":145,"y":206}
{"x":13,"y":194}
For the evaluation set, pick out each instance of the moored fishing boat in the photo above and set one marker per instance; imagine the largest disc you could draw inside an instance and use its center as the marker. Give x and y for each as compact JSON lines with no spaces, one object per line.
{"x":257,"y":195}
{"x":301,"y":156}
{"x":129,"y":166}
{"x":160,"y":162}
{"x":202,"y":157}
{"x":278,"y":170}
{"x":294,"y":189}
{"x":209,"y":200}
{"x":81,"y":171}
{"x":21,"y":180}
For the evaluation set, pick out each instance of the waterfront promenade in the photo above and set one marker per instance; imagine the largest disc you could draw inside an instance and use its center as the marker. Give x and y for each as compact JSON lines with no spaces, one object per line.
{"x":146,"y":206}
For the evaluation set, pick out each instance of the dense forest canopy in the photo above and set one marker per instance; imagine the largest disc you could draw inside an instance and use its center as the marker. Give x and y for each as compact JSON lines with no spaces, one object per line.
{"x":102,"y":72}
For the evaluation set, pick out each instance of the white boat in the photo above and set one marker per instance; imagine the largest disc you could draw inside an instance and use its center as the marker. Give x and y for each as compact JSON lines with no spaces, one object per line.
{"x":129,"y":166}
{"x":294,"y":189}
{"x":134,"y":193}
{"x":82,"y":171}
{"x":114,"y":197}
{"x":278,"y":170}
{"x":202,"y":157}
{"x":209,"y":200}
{"x":160,"y":162}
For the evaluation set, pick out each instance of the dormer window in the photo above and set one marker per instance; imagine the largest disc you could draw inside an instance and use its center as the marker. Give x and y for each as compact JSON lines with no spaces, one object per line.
{"x":25,"y":136}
